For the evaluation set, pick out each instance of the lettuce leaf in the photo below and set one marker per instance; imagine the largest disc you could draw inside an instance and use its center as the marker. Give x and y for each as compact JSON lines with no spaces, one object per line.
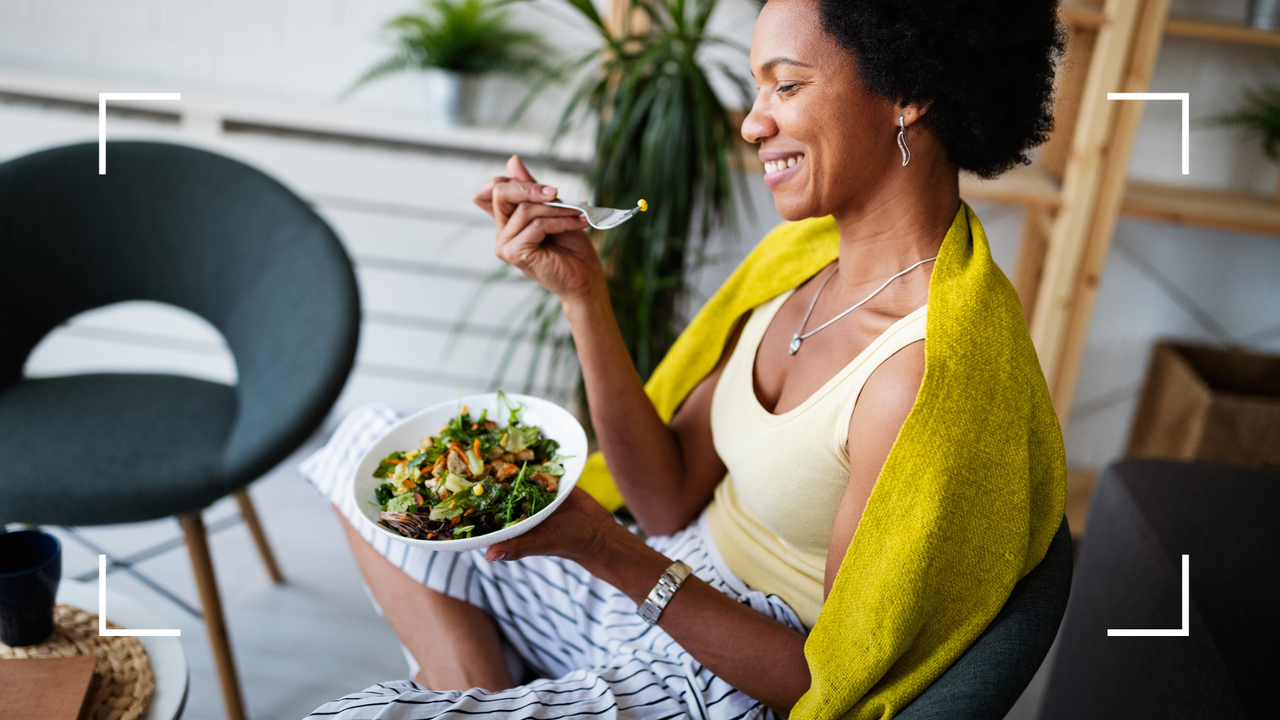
{"x":519,"y":438}
{"x":402,"y":503}
{"x":551,"y":467}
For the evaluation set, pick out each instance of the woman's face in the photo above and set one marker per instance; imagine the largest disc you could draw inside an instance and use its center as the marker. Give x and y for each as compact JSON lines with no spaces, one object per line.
{"x":825,"y":140}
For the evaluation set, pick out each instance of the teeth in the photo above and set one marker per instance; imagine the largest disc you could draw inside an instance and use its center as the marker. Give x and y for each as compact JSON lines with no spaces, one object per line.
{"x":774,"y":166}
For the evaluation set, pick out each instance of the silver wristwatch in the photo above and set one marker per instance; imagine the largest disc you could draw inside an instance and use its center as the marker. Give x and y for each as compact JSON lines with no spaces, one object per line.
{"x":661,"y":593}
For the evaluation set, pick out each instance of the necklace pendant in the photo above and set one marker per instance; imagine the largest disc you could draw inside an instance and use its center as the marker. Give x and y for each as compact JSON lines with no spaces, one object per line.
{"x":795,"y":345}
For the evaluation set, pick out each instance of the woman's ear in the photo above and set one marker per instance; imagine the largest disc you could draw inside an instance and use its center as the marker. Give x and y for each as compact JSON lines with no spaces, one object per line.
{"x":910,"y":113}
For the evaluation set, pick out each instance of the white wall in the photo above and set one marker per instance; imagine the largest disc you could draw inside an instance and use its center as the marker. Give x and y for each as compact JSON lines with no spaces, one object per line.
{"x":1160,"y":280}
{"x":304,"y":51}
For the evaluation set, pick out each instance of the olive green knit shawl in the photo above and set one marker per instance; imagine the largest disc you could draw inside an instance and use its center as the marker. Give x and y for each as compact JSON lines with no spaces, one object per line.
{"x":970,"y":495}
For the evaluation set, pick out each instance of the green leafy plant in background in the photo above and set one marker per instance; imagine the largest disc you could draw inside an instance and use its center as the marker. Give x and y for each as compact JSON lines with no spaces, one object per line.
{"x":464,"y":36}
{"x":661,"y":134}
{"x":1260,"y":113}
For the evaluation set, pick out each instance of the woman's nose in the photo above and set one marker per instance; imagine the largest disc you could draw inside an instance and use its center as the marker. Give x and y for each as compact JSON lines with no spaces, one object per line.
{"x":758,"y":124}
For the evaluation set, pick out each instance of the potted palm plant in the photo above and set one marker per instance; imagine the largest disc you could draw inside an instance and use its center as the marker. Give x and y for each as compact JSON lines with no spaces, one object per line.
{"x":661,"y":133}
{"x":1260,"y":114}
{"x":454,"y":42}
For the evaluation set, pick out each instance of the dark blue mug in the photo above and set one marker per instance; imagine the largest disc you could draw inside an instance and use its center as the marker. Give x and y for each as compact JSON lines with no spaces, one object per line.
{"x":30,"y":567}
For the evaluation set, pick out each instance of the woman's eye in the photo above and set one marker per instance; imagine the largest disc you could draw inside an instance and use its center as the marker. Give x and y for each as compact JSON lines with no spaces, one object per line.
{"x":788,"y":88}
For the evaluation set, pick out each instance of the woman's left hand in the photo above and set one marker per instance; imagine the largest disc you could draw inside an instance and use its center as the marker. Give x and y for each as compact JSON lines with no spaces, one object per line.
{"x":577,"y":529}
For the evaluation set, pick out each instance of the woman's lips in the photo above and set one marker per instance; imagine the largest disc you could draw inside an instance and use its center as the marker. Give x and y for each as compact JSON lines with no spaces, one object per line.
{"x":777,"y":171}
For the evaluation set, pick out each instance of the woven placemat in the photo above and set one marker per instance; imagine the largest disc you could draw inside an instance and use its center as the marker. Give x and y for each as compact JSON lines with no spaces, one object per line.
{"x":125,"y":680}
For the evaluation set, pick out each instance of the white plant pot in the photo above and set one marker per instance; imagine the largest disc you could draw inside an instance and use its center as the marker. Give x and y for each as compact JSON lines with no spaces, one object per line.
{"x":1264,"y":14}
{"x":451,"y":97}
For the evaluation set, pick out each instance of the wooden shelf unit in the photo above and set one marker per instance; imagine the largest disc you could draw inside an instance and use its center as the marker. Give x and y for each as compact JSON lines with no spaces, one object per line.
{"x":1079,"y":186}
{"x":1202,"y":207}
{"x":1159,"y":202}
{"x":1019,"y":186}
{"x":1221,"y":30}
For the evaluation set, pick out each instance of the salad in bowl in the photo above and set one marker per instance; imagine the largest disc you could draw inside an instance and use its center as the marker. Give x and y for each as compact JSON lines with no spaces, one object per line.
{"x":468,"y":474}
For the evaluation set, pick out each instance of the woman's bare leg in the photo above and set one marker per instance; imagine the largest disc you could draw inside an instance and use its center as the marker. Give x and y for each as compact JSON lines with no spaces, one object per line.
{"x":455,"y":643}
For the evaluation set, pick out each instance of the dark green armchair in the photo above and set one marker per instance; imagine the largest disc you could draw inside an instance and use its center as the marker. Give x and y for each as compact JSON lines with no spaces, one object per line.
{"x":190,"y":228}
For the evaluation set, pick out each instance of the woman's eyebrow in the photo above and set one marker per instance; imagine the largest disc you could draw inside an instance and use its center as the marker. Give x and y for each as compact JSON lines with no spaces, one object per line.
{"x":770,"y":65}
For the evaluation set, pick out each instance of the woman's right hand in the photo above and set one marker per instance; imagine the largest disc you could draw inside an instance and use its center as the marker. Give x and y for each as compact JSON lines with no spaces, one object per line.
{"x":548,"y":244}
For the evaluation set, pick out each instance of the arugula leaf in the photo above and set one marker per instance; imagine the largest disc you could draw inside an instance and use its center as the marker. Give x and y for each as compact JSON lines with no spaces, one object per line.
{"x":427,"y":457}
{"x":387,"y":465}
{"x":515,"y":419}
{"x":449,"y":509}
{"x":383,"y":493}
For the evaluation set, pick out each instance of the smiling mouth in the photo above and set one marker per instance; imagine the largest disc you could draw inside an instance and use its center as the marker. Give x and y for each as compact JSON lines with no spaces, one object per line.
{"x":776,"y":166}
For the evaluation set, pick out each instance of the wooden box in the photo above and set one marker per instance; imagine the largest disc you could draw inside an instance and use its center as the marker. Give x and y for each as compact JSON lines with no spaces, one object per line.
{"x":1205,"y":403}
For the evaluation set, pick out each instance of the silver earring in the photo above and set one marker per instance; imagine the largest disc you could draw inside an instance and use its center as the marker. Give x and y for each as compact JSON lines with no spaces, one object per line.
{"x":902,"y":144}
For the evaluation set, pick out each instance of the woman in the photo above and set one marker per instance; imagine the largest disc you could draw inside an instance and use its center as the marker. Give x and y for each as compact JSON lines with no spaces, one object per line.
{"x":864,"y":112}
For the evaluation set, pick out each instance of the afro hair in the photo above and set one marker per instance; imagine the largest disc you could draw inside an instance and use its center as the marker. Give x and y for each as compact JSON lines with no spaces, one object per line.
{"x":984,"y":68}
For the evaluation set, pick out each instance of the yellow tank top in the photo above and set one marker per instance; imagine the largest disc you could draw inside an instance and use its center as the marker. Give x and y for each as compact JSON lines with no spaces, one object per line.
{"x":772,"y":514}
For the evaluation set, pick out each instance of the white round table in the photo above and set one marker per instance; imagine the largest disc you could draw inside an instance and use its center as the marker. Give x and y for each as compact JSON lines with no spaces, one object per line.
{"x":168,"y":660}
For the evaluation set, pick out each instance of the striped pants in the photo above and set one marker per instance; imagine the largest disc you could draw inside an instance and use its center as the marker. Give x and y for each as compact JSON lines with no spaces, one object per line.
{"x":597,"y":658}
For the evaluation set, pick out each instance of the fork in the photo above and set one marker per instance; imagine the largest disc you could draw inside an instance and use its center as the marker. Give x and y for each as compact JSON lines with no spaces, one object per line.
{"x":598,"y":217}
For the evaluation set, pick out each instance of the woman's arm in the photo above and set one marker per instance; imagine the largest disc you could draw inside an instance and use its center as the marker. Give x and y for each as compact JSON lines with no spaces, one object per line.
{"x":666,"y":474}
{"x":881,"y":409}
{"x":747,"y":649}
{"x":752,"y":652}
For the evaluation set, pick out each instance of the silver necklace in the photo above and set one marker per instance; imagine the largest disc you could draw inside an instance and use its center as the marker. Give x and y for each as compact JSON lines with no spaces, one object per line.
{"x":795,"y":339}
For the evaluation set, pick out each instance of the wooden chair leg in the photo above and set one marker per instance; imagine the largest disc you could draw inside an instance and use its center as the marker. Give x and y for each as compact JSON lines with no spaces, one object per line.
{"x":211,"y":603}
{"x":259,"y":538}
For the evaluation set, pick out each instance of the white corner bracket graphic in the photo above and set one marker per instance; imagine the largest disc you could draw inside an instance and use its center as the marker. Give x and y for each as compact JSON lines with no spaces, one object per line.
{"x":1183,"y":631}
{"x":1186,"y":118}
{"x":102,"y":118}
{"x":103,"y":630}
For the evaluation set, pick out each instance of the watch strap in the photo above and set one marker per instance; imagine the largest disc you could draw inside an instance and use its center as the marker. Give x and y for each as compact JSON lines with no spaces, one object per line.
{"x":660,"y":595}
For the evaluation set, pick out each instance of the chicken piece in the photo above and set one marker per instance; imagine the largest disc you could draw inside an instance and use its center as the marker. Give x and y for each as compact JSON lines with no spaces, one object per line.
{"x":489,"y":424}
{"x":441,"y":465}
{"x":504,"y":470}
{"x":457,"y":463}
{"x":495,"y":453}
{"x":525,"y":455}
{"x":547,"y":482}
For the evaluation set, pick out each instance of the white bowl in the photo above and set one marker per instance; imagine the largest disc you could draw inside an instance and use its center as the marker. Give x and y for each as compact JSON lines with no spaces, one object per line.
{"x":556,"y":423}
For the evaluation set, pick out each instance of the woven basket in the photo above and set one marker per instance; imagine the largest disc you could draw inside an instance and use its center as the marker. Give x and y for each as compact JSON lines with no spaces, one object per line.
{"x":125,"y":680}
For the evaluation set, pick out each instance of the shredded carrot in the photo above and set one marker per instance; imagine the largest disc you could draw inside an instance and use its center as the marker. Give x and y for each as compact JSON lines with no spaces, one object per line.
{"x":408,"y":483}
{"x":468,"y":512}
{"x":476,"y":447}
{"x":464,"y":408}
